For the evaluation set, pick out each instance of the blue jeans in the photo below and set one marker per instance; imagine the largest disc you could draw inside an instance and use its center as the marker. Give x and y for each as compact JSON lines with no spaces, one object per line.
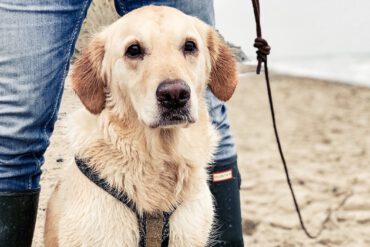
{"x":37,"y":39}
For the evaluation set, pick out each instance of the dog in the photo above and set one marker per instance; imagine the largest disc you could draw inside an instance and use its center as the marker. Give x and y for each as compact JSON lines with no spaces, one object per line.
{"x":144,"y":129}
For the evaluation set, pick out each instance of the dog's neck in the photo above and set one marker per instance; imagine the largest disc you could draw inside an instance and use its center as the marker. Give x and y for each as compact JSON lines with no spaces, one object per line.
{"x":157,"y":168}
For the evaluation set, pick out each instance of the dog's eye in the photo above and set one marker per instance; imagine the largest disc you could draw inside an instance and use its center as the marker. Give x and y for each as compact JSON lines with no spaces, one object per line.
{"x":190,"y":47}
{"x":134,"y":51}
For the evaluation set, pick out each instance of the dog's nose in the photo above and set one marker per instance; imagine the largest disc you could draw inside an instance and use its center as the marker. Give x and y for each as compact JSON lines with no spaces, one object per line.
{"x":173,"y":94}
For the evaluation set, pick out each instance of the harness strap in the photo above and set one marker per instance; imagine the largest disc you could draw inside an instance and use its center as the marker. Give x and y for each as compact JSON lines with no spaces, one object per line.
{"x":166,"y":229}
{"x":142,"y":229}
{"x":93,"y":176}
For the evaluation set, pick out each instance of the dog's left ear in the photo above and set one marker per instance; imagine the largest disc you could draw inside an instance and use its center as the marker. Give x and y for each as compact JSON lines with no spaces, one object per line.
{"x":87,"y":79}
{"x":223,"y":78}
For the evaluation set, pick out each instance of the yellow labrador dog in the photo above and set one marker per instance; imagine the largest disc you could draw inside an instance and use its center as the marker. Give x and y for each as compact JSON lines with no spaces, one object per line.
{"x":145,"y":131}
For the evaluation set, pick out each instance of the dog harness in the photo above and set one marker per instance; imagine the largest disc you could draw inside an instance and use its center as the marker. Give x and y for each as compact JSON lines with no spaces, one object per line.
{"x":93,"y":176}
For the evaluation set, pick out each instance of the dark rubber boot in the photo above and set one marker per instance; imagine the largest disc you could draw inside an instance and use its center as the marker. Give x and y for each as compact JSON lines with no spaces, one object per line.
{"x":225,"y":185}
{"x":18,"y":210}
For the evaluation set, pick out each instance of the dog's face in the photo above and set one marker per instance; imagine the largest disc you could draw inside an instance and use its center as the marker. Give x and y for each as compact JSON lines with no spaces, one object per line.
{"x":156,"y":61}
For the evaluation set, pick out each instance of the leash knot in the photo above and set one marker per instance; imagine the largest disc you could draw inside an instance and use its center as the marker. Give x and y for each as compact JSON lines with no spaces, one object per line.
{"x":262,"y":52}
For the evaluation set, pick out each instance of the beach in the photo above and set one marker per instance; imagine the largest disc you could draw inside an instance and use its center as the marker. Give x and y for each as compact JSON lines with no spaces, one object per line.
{"x":325,"y":133}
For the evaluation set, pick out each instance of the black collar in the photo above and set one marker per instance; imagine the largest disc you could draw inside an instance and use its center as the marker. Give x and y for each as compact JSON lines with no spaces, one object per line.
{"x":93,"y":176}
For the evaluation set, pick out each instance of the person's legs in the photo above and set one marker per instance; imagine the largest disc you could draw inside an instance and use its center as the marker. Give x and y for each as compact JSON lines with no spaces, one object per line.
{"x":37,"y":39}
{"x":225,"y":179}
{"x":225,"y":192}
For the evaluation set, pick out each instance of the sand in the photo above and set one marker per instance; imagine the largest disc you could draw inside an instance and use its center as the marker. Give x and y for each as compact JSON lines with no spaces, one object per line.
{"x":325,"y":132}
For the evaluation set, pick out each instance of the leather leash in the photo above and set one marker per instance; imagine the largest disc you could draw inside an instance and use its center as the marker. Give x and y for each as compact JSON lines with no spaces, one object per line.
{"x":262,"y":53}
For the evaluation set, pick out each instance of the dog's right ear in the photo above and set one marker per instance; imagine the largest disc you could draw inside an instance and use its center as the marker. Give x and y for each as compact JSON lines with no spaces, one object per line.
{"x":223,"y":78}
{"x":223,"y":70}
{"x":87,"y":79}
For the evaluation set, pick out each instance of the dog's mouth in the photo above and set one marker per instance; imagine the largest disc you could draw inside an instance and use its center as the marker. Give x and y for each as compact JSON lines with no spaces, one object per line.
{"x":175,"y":117}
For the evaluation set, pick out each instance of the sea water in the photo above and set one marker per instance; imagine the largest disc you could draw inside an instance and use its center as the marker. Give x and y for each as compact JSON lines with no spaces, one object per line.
{"x":346,"y":68}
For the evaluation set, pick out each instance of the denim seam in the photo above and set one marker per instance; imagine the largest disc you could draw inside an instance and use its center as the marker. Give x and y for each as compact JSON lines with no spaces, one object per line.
{"x":37,"y":166}
{"x":75,"y":31}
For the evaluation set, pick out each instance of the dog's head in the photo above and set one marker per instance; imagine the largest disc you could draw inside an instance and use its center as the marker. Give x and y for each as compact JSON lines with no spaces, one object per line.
{"x":155,"y":62}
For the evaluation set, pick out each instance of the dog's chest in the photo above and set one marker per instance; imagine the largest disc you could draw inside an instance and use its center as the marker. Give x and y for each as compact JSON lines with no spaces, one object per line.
{"x":161,"y":187}
{"x":118,"y":221}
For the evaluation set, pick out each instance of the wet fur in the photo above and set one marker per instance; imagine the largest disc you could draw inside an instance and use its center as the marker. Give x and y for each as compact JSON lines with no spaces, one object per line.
{"x":159,"y":169}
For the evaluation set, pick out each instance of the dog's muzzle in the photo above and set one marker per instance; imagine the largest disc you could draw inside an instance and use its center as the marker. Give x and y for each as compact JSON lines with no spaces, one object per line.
{"x":173,"y":97}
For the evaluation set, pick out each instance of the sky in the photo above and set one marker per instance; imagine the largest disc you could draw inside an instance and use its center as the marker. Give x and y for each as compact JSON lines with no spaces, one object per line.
{"x":296,"y":28}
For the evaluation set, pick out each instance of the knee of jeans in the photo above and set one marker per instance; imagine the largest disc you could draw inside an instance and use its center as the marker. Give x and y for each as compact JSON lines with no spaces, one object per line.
{"x":28,"y":107}
{"x":27,"y":116}
{"x":24,"y":137}
{"x":24,"y":130}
